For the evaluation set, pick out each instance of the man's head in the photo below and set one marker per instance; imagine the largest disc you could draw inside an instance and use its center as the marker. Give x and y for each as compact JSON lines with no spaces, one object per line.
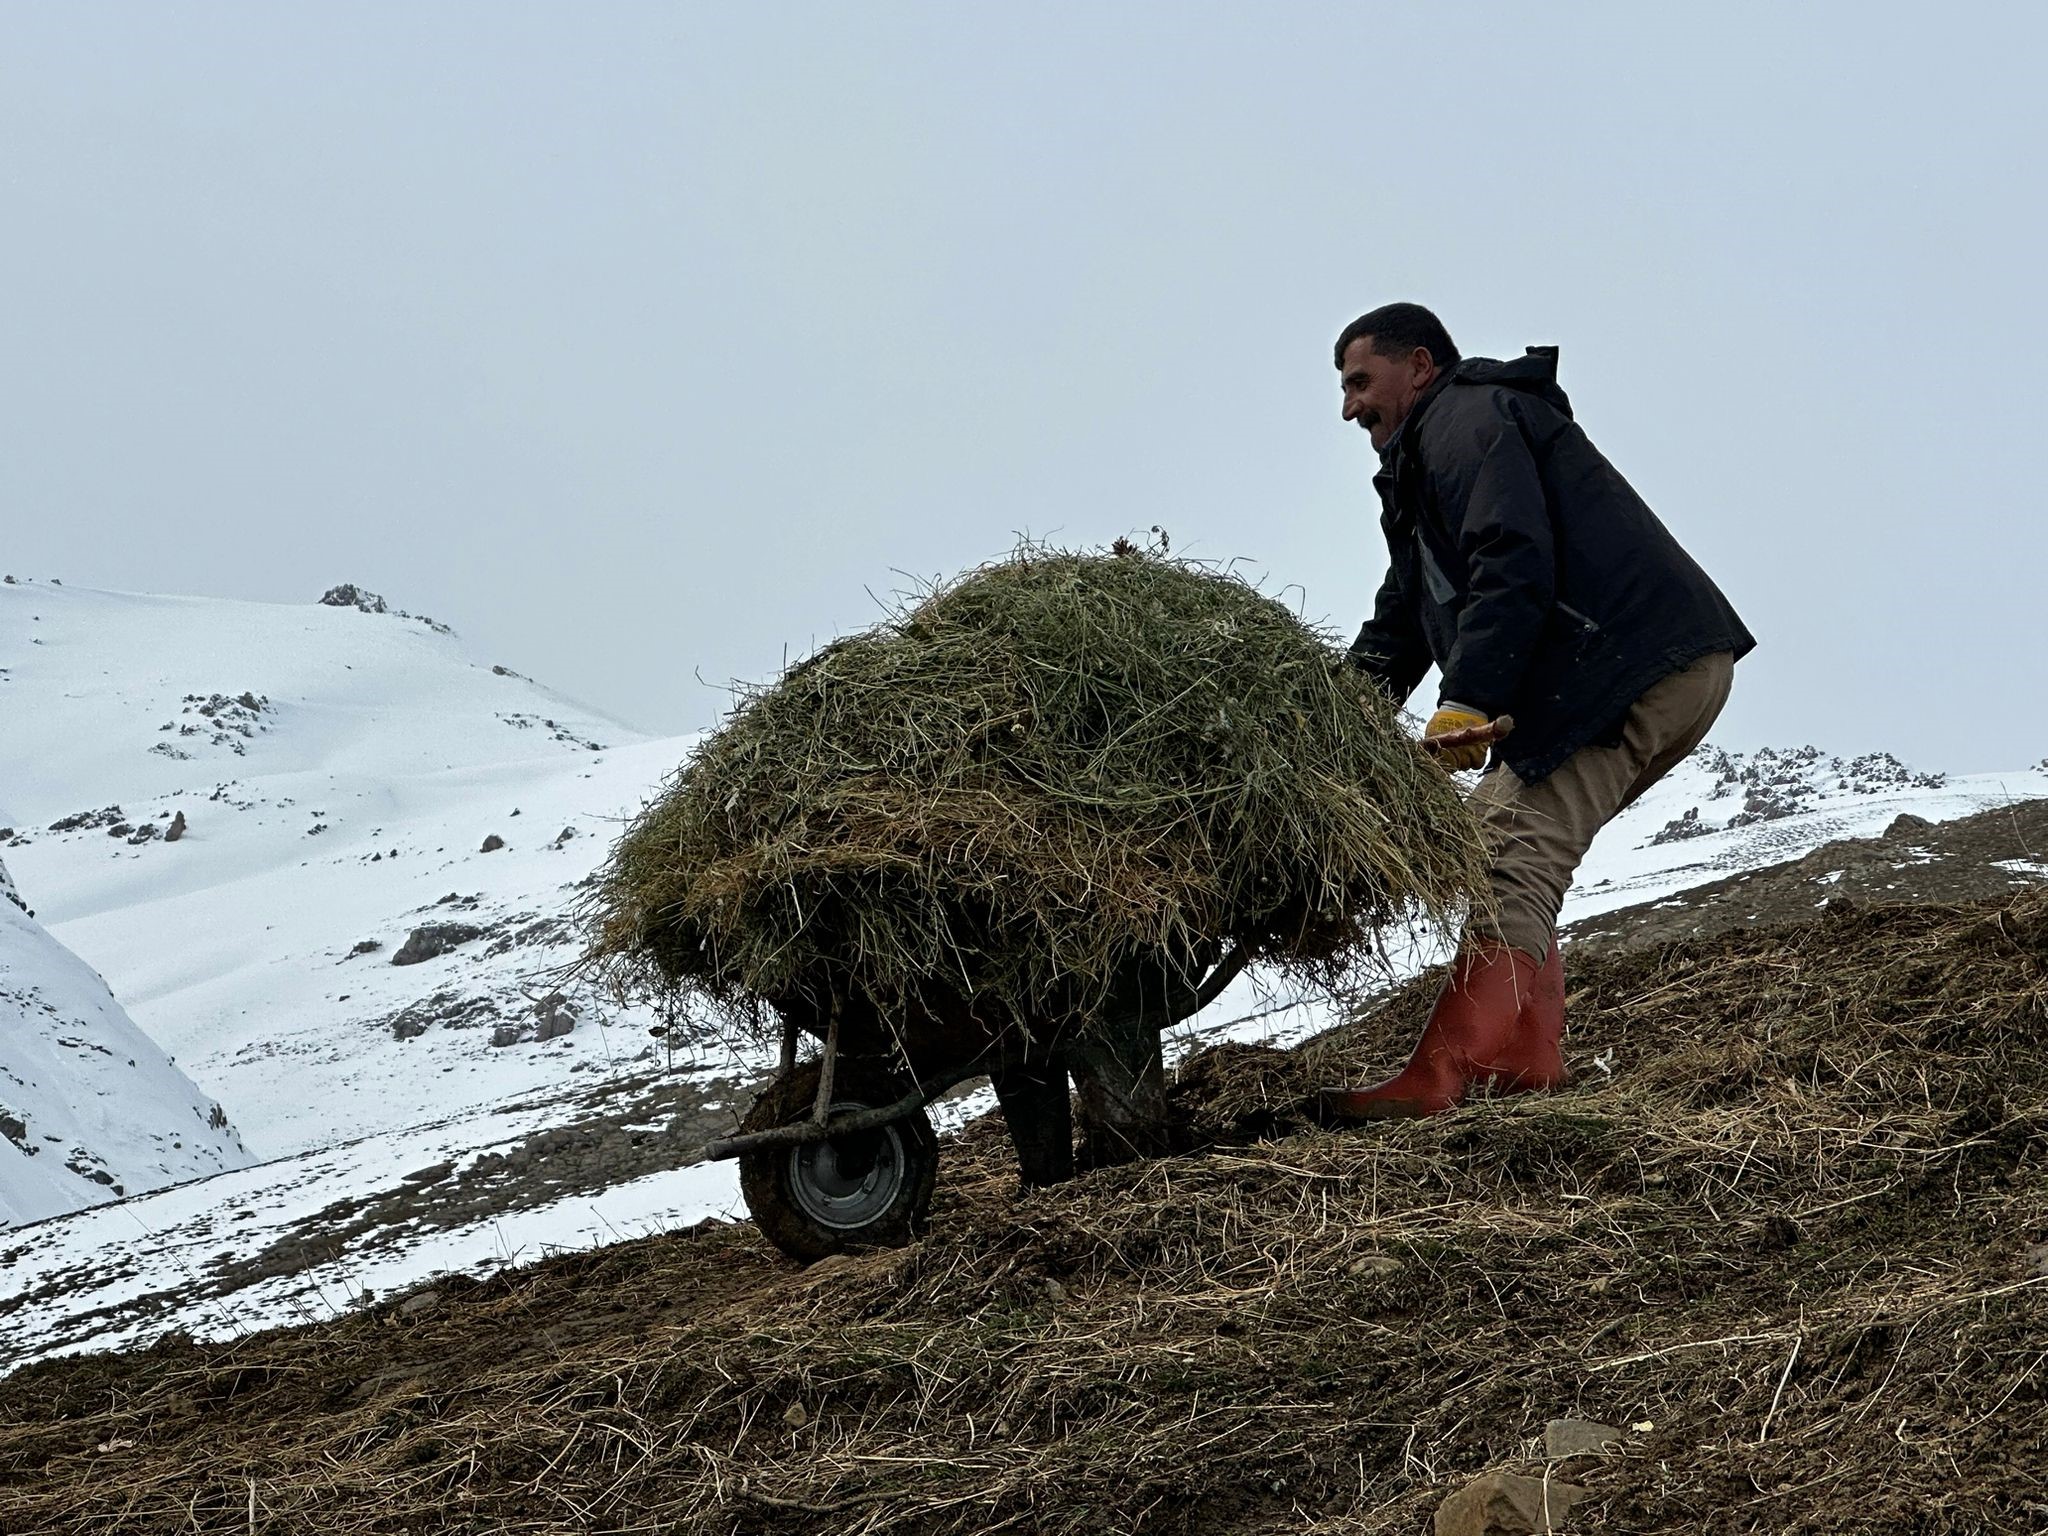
{"x":1385,"y":360}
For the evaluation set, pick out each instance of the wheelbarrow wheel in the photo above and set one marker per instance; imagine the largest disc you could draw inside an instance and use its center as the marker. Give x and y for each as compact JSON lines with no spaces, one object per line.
{"x":868,"y":1190}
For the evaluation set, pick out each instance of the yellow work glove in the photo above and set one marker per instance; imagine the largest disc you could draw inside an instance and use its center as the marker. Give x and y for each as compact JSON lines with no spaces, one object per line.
{"x":1456,"y":717}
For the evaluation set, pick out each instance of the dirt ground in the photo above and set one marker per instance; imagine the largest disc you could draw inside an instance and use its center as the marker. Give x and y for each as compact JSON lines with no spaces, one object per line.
{"x":1787,"y":1232}
{"x":1994,"y":853}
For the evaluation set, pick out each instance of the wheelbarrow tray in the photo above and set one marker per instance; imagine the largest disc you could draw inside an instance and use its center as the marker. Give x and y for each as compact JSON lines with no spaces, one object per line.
{"x":938,"y":1062}
{"x":850,"y":1159}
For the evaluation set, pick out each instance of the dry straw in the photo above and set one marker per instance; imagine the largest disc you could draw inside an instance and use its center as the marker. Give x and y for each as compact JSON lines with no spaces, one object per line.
{"x":1049,"y":771}
{"x":1795,"y":1248}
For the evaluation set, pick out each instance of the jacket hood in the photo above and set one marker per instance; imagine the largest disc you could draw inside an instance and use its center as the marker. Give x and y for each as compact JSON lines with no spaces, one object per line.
{"x":1533,"y":373}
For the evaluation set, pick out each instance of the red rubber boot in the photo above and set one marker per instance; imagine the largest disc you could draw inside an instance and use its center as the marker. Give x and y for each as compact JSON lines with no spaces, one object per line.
{"x":1532,"y":1056}
{"x":1475,"y":1034}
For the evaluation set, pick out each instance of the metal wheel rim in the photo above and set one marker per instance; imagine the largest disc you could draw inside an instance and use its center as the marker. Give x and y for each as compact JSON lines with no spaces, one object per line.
{"x":847,"y":1200}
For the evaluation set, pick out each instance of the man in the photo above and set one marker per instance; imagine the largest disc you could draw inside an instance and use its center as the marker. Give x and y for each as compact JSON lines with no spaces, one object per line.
{"x":1527,"y":569}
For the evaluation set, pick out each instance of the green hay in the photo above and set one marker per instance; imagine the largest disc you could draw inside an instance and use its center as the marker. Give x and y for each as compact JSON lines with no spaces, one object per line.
{"x":1055,"y":769}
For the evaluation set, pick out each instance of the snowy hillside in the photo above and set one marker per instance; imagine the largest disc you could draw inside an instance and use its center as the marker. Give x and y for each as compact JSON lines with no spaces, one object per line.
{"x":326,"y":946}
{"x":90,"y":1108}
{"x":329,"y":949}
{"x":1719,"y":812}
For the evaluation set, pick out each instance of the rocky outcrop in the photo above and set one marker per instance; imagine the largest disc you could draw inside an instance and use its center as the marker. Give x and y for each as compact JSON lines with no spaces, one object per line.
{"x":349,"y":595}
{"x":552,"y":1016}
{"x":433,"y":939}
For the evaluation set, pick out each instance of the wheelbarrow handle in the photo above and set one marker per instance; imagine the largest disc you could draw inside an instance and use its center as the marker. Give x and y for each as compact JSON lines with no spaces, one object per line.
{"x":800,"y":1133}
{"x":1471,"y":736}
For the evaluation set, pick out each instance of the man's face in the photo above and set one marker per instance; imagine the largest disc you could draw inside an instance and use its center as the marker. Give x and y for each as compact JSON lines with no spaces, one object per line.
{"x":1380,"y":391}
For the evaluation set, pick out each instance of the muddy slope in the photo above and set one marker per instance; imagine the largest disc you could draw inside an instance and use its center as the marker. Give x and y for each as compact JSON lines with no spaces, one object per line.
{"x":1789,"y":1232}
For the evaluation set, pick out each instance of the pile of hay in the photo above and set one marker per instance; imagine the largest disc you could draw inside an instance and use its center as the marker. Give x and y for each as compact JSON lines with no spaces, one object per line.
{"x":1055,"y":768}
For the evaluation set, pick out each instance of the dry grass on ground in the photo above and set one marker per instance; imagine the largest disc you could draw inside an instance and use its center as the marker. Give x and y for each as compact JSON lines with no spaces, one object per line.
{"x":1796,"y":1239}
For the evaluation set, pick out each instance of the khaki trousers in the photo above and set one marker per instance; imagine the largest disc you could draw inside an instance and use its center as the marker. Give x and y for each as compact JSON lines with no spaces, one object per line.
{"x":1539,"y":832}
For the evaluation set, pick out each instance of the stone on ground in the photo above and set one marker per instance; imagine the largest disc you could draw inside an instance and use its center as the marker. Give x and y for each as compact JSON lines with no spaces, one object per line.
{"x":1503,"y":1504}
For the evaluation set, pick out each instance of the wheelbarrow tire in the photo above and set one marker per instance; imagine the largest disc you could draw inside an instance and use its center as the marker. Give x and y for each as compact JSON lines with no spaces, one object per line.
{"x":871,"y":1190}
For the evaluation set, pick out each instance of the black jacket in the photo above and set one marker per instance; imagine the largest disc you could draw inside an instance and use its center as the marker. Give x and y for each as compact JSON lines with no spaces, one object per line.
{"x":1527,"y":569}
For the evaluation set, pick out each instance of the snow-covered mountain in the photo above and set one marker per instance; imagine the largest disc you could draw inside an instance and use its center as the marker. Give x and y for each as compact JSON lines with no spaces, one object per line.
{"x":326,"y":946}
{"x":90,"y":1107}
{"x":352,"y":943}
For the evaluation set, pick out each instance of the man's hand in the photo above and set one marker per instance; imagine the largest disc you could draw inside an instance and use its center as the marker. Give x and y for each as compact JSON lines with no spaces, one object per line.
{"x":1450,"y":718}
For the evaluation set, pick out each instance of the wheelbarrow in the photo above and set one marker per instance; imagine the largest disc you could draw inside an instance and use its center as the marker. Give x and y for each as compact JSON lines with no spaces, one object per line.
{"x":838,"y":1152}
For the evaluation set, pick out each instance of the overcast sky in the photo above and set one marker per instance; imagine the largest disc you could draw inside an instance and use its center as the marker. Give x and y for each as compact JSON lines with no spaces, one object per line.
{"x":642,"y":342}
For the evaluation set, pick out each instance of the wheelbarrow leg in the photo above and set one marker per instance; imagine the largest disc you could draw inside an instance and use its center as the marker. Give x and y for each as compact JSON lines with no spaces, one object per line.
{"x":1122,"y":1082}
{"x":1040,"y":1117}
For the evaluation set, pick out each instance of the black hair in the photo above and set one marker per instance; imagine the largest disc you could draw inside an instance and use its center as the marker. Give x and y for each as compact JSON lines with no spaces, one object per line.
{"x":1397,"y":329}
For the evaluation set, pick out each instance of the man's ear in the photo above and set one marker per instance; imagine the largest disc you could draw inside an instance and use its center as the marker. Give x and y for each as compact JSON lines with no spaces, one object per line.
{"x":1420,"y":364}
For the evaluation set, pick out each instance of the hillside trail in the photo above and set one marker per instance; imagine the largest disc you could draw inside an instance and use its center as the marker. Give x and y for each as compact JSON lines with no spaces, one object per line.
{"x":1787,"y":1233}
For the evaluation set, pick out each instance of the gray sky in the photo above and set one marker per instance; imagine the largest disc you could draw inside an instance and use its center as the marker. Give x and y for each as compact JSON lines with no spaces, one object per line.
{"x":639,"y":341}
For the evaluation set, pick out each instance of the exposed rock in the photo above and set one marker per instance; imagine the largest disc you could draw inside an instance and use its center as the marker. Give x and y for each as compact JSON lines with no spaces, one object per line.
{"x":222,"y":720}
{"x":10,"y":893}
{"x":1579,"y":1437}
{"x":1906,"y":825}
{"x":176,"y":829}
{"x":1378,"y":1264}
{"x":363,"y":947}
{"x":1503,"y":1504}
{"x":349,"y":595}
{"x":555,"y":729}
{"x":418,"y":1302}
{"x":507,"y":1034}
{"x":432,"y":939}
{"x":553,"y":1015}
{"x":531,"y":930}
{"x":492,"y":844}
{"x":81,"y":821}
{"x":450,"y":1010}
{"x":1779,"y":782}
{"x":1686,"y":826}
